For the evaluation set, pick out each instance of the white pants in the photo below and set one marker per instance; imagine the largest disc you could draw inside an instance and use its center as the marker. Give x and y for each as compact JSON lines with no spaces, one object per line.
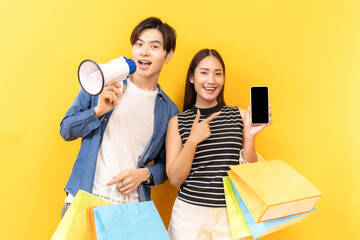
{"x":192,"y":222}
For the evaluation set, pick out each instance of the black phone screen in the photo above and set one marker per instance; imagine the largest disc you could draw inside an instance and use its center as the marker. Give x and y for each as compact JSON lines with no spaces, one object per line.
{"x":259,"y":105}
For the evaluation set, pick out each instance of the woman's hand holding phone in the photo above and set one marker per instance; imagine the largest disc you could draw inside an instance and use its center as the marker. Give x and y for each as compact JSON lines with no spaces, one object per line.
{"x":251,"y":130}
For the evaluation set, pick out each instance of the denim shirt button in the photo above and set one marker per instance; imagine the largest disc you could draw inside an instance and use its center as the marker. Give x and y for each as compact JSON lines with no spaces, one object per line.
{"x":105,"y":119}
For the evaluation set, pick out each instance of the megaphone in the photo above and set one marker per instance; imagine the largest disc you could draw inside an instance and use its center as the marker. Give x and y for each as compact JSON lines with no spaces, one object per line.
{"x":94,"y":77}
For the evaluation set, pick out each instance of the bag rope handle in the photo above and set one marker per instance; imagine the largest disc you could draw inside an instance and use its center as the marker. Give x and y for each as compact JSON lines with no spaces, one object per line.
{"x":258,"y":156}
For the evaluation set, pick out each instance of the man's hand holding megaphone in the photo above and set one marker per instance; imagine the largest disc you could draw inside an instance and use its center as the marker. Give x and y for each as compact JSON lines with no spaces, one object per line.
{"x":103,"y":80}
{"x":108,"y":98}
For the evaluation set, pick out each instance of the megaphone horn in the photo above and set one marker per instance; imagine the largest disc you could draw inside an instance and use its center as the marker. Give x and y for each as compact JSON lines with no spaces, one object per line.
{"x":94,"y":77}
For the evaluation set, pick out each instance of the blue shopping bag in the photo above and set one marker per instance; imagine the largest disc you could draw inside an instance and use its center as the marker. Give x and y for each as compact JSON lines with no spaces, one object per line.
{"x":264,"y":228}
{"x":130,"y":221}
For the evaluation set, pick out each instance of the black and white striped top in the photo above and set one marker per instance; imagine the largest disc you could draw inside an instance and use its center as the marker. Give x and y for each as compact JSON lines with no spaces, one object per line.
{"x":204,"y":185}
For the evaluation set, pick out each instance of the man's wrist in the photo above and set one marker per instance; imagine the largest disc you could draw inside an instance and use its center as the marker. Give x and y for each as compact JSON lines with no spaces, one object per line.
{"x":97,"y":112}
{"x":149,"y":177}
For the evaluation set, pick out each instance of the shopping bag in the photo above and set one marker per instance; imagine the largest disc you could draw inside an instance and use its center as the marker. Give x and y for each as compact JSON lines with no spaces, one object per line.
{"x":273,"y":189}
{"x":73,"y":225}
{"x":265,"y":228}
{"x":237,"y":222}
{"x":90,"y":224}
{"x":130,"y":221}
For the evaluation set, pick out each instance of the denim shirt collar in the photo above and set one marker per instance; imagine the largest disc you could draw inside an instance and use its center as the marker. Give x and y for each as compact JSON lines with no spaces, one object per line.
{"x":161,"y":93}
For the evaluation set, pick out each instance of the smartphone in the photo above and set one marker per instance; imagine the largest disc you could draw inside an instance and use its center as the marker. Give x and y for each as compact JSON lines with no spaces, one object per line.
{"x":259,"y":101}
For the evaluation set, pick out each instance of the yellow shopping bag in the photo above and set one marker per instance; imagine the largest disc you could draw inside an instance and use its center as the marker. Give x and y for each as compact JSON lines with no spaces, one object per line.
{"x":73,"y":225}
{"x":237,"y":222}
{"x":273,"y":189}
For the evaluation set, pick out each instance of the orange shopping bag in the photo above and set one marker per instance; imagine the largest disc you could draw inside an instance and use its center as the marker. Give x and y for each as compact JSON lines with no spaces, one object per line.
{"x":90,"y":224}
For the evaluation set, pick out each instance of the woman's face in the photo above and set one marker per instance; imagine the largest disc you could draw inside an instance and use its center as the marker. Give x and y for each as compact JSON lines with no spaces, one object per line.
{"x":208,"y":81}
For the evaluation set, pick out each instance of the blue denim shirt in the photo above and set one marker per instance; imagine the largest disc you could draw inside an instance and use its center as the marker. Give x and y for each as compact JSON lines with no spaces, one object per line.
{"x":80,"y":121}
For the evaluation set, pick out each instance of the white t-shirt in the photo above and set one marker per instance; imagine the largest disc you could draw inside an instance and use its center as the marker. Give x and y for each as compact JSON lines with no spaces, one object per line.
{"x":130,"y":127}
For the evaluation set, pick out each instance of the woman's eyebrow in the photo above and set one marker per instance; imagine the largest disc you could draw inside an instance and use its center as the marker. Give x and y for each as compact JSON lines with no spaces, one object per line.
{"x":219,"y":69}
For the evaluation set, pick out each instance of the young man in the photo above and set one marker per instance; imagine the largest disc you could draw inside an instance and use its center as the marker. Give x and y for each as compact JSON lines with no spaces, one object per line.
{"x":122,"y":133}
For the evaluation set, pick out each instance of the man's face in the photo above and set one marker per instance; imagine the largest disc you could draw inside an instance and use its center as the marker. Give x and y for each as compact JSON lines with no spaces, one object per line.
{"x":149,"y":54}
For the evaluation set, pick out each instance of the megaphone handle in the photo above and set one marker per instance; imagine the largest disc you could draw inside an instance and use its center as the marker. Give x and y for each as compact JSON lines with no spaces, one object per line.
{"x":124,"y":82}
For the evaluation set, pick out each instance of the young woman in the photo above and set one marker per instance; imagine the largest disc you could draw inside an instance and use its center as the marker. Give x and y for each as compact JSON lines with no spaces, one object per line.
{"x":201,"y":144}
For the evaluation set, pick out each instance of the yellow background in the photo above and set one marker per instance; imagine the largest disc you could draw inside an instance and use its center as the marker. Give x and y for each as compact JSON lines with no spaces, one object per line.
{"x":306,"y":51}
